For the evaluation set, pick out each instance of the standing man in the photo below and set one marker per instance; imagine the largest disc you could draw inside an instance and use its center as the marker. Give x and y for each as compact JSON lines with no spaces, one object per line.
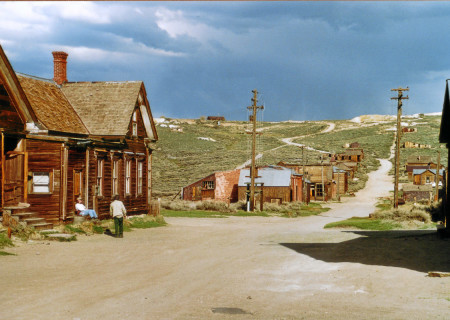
{"x":118,"y":212}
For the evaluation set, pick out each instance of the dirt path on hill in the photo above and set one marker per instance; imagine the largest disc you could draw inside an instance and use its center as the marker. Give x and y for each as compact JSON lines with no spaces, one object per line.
{"x":288,"y":141}
{"x":235,"y":268}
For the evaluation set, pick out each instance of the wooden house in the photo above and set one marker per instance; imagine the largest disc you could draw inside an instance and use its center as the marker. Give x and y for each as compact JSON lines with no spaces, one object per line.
{"x":409,"y":129}
{"x":340,"y":177}
{"x":62,"y":140}
{"x":274,"y":183}
{"x":419,"y":162}
{"x":354,"y":155}
{"x":413,"y":193}
{"x":427,"y":176}
{"x":220,"y":186}
{"x":320,"y":177}
{"x":216,"y":118}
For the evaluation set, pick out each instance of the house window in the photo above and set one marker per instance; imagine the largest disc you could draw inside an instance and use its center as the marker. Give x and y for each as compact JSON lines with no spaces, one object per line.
{"x":115,"y":177}
{"x":140,"y":176}
{"x":127,"y":177}
{"x":428,"y":179}
{"x":41,"y":182}
{"x":134,"y":124}
{"x":208,"y":185}
{"x":99,"y":177}
{"x":319,"y":190}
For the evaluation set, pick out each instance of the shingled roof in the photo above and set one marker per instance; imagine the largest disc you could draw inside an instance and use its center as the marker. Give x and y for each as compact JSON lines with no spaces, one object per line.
{"x":105,"y":107}
{"x":51,"y":106}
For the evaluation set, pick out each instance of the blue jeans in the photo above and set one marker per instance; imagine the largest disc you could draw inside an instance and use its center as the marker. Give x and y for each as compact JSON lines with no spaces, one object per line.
{"x":89,"y":212}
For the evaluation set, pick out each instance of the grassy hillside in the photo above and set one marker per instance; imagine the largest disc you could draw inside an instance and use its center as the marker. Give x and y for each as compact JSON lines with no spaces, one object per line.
{"x":188,"y":150}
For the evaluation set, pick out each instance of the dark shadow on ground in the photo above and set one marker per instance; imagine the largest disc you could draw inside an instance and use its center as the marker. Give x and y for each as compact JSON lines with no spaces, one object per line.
{"x":415,"y":250}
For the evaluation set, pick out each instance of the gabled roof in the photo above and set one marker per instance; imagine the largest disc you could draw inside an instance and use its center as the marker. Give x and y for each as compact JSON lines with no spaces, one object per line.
{"x":418,"y":159}
{"x":51,"y":106}
{"x":270,"y":176}
{"x":9,"y":80}
{"x":106,"y":108}
{"x":433,"y":171}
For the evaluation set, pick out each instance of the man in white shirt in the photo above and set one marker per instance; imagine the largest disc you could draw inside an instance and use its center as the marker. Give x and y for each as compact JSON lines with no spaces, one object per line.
{"x":118,"y":212}
{"x":79,"y":206}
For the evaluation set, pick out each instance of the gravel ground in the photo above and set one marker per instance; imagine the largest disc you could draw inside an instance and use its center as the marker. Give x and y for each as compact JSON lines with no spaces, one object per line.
{"x":235,"y":268}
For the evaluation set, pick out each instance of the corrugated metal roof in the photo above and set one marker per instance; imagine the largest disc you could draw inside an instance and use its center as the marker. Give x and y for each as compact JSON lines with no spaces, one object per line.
{"x":270,"y":176}
{"x":50,"y":105}
{"x":105,"y":107}
{"x":420,"y":171}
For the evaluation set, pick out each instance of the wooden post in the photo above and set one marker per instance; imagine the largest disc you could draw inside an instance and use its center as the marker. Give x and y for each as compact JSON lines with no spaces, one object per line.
{"x":436,"y":190}
{"x":3,"y":168}
{"x":399,"y":98}
{"x":261,"y":200}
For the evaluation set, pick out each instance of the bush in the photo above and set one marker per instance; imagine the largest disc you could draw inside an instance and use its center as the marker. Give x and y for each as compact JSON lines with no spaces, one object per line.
{"x":5,"y":241}
{"x":415,"y":213}
{"x":436,"y":212}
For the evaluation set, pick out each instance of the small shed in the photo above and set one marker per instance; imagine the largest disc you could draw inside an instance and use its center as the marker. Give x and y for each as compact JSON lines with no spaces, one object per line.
{"x":215,"y":118}
{"x":355,"y":155}
{"x":413,"y":193}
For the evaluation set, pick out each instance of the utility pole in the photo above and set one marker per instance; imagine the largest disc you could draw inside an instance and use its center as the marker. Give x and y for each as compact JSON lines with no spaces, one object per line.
{"x":436,"y":195}
{"x":254,"y":108}
{"x":399,"y":98}
{"x":304,"y":175}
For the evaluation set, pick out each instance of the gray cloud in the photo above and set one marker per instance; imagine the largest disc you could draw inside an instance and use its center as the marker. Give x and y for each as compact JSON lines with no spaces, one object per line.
{"x":309,"y":60}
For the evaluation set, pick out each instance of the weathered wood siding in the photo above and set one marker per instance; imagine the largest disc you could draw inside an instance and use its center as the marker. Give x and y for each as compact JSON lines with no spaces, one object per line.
{"x":45,"y":156}
{"x":193,"y":192}
{"x":9,"y":118}
{"x":270,"y":194}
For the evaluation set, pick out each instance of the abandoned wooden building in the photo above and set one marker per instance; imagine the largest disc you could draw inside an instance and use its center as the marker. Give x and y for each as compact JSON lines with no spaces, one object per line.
{"x":354,"y":155}
{"x":220,"y":186}
{"x":419,"y":162}
{"x":427,"y":176}
{"x":274,"y":184}
{"x":413,"y":193}
{"x":62,"y":140}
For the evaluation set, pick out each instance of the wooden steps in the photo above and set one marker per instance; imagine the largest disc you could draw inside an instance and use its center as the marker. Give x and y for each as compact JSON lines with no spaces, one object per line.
{"x":22,"y":215}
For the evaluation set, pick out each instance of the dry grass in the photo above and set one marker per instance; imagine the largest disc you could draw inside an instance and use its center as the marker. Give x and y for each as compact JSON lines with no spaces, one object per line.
{"x":405,"y":213}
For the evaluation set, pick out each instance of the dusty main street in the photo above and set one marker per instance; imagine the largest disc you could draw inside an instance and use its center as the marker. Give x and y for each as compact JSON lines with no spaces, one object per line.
{"x":235,"y":268}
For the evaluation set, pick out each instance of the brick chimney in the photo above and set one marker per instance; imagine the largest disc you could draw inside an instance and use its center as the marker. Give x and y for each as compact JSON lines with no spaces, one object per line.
{"x":59,"y":67}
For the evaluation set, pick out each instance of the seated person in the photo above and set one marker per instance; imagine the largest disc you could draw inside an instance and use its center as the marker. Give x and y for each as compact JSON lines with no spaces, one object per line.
{"x":79,"y":206}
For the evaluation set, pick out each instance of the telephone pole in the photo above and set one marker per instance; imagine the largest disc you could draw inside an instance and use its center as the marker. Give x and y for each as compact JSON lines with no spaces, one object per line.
{"x":399,"y":98}
{"x":254,"y":109}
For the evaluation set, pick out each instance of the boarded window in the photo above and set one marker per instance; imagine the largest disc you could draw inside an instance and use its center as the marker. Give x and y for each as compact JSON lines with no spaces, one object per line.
{"x":42,"y":182}
{"x":128,"y":177}
{"x":208,"y":185}
{"x":140,"y":175}
{"x":115,"y":177}
{"x":100,"y":177}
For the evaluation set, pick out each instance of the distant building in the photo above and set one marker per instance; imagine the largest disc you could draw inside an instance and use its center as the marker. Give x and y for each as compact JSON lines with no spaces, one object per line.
{"x":413,"y":193}
{"x":216,"y":118}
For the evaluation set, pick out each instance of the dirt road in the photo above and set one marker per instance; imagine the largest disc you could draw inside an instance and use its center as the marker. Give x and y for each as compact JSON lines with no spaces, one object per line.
{"x":235,"y":268}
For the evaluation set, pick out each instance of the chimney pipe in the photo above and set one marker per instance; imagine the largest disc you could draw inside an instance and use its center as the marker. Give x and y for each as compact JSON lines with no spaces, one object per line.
{"x":59,"y":67}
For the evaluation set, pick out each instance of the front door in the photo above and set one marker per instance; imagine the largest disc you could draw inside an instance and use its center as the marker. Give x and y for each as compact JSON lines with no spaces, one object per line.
{"x":14,"y":187}
{"x":78,"y":185}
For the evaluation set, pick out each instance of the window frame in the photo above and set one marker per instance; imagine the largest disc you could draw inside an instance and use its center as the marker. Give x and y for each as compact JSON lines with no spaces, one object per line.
{"x":100,"y":176}
{"x":134,"y":126}
{"x":32,"y":184}
{"x":127,"y":177}
{"x":115,"y":177}
{"x":139,"y":177}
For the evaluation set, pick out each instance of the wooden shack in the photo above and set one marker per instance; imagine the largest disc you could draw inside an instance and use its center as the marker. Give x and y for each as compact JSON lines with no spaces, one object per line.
{"x":63,"y":140}
{"x":220,"y":186}
{"x":427,"y":176}
{"x":274,"y":183}
{"x":320,"y":177}
{"x":413,"y":193}
{"x":354,"y":155}
{"x":216,"y":118}
{"x":419,"y":162}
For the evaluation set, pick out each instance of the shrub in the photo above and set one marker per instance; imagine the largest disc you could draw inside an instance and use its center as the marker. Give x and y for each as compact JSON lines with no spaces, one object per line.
{"x":5,"y":241}
{"x":415,"y":213}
